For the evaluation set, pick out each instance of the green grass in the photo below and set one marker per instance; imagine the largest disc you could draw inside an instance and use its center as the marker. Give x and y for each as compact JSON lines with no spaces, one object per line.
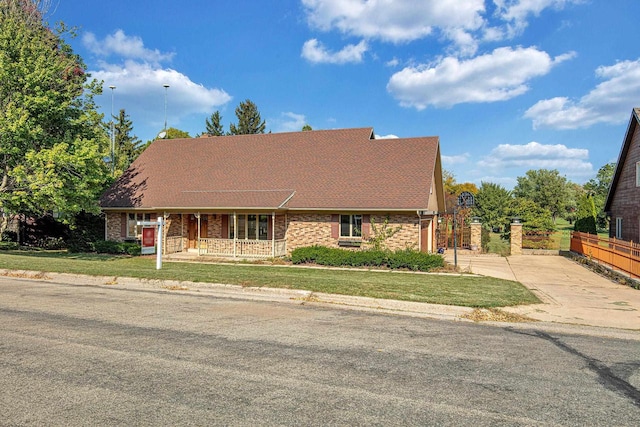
{"x":470,"y":291}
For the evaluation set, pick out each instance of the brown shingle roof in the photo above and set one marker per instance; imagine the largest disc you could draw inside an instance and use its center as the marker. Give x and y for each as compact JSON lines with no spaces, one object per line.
{"x":328,"y":169}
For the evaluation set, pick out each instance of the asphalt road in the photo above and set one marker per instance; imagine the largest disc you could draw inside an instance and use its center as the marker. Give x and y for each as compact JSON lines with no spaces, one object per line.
{"x":86,"y":355}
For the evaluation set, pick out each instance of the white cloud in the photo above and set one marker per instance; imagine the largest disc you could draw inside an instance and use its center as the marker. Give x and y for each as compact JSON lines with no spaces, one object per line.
{"x":390,"y":136}
{"x":314,"y":51}
{"x":497,"y":76}
{"x":392,"y":63}
{"x":128,"y":47}
{"x":395,"y":21}
{"x":141,"y":86}
{"x":455,"y":160}
{"x":609,"y":102}
{"x":289,"y":122}
{"x":138,"y":77}
{"x":463,"y":24}
{"x":569,"y":161}
{"x":516,"y":12}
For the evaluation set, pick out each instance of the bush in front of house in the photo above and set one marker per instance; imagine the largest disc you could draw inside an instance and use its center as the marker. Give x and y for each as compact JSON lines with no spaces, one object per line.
{"x":401,"y":259}
{"x":116,"y":248}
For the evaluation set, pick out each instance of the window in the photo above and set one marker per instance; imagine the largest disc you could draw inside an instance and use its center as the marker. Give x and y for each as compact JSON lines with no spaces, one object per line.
{"x":350,"y":225}
{"x":252,"y":227}
{"x":618,"y":228}
{"x":133,"y":230}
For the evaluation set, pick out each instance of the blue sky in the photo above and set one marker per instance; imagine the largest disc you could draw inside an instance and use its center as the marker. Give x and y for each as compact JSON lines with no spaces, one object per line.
{"x":507,"y":85}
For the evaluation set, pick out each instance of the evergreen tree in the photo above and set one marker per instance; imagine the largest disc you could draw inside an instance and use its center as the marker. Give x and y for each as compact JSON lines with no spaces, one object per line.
{"x":249,"y":121}
{"x":52,"y":142}
{"x":214,"y":125}
{"x":586,"y":215}
{"x":127,"y":147}
{"x":491,"y":204}
{"x":306,"y":127}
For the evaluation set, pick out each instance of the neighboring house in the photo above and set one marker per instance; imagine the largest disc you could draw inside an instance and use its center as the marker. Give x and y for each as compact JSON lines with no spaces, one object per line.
{"x":623,"y":200}
{"x":265,"y":195}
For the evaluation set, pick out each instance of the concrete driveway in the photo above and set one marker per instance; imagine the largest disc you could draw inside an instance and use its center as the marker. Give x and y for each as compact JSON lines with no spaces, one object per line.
{"x":570,"y":292}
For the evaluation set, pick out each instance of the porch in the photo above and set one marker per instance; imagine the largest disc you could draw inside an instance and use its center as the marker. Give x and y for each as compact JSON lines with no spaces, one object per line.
{"x":236,"y":248}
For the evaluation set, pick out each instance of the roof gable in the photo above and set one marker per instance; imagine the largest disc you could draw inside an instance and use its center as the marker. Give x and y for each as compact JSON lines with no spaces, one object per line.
{"x":330,"y":169}
{"x":626,"y":145}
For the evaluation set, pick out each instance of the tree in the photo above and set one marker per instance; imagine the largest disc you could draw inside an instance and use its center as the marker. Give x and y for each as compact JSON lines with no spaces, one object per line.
{"x":544,"y":187}
{"x":52,"y":142}
{"x":599,"y":189}
{"x":173,"y":133}
{"x":306,"y":127}
{"x":491,"y":204}
{"x":452,"y":189}
{"x":532,"y":215}
{"x":586,"y":215}
{"x":127,"y":147}
{"x":214,"y":125}
{"x":249,"y":121}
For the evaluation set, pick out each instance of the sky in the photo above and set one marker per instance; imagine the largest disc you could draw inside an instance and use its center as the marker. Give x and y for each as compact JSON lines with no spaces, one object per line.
{"x":507,"y":85}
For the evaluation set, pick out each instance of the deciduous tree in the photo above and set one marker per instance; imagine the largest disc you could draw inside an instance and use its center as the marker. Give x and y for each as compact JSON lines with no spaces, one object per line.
{"x":52,"y":142}
{"x":547,"y":188}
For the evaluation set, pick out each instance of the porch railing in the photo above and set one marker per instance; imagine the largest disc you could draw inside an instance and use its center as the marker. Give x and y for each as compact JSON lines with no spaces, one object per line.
{"x":174,"y":244}
{"x":243,"y":248}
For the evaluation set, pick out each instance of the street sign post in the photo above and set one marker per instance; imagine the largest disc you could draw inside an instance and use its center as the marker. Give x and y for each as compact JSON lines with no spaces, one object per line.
{"x":148,"y":240}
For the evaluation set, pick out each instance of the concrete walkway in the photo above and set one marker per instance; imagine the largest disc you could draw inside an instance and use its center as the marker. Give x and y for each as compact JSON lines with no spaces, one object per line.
{"x":570,"y":292}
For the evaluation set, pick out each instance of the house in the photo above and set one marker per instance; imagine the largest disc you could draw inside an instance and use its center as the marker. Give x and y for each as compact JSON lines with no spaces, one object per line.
{"x":623,"y":200}
{"x":265,"y":195}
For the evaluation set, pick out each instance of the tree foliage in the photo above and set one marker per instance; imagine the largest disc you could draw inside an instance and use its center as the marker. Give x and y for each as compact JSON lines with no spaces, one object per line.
{"x":533,"y":216}
{"x":249,"y":121}
{"x":214,"y":125}
{"x":599,"y":189}
{"x":546,"y":188}
{"x":52,"y":141}
{"x":491,"y":205}
{"x":586,"y":215}
{"x":127,"y":146}
{"x":452,"y":189}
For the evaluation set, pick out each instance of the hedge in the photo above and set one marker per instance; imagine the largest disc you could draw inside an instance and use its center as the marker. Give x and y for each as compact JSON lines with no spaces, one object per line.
{"x":402,"y":259}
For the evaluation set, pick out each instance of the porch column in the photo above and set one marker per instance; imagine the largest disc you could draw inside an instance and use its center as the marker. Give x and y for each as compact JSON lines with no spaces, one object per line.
{"x":198,"y":239}
{"x":235,"y":232}
{"x":273,"y":234}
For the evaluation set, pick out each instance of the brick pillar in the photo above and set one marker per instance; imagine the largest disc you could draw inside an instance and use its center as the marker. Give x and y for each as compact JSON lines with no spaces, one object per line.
{"x":476,"y":236}
{"x":516,"y":238}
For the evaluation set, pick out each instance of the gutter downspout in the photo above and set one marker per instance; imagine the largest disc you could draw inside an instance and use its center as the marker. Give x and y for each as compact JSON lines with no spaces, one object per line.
{"x":273,"y":234}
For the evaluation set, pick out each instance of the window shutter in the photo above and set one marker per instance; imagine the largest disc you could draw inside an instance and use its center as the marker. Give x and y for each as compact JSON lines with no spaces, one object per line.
{"x":335,"y":226}
{"x":225,"y":226}
{"x":366,"y":226}
{"x":269,"y":227}
{"x":123,"y":225}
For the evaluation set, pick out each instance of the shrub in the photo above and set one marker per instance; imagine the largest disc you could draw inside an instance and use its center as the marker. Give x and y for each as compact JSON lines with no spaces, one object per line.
{"x":402,"y":259}
{"x":116,"y":248}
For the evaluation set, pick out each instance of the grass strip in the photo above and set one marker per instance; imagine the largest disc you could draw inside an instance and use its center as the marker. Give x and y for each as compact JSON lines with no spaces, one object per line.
{"x":461,"y":290}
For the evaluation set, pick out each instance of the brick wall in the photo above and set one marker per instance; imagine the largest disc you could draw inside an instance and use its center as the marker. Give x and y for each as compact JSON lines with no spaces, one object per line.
{"x":307,"y":229}
{"x":114,"y":226}
{"x":626,"y":199}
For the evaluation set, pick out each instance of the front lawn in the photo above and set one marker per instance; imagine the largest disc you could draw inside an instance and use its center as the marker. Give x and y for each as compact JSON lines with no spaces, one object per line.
{"x":462,"y":290}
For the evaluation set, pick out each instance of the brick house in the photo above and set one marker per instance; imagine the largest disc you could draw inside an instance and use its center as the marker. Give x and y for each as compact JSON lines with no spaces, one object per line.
{"x":623,"y":200}
{"x":265,"y":195}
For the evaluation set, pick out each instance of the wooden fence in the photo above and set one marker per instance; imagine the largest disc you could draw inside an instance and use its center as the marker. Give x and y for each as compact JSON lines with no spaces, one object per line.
{"x":617,"y":254}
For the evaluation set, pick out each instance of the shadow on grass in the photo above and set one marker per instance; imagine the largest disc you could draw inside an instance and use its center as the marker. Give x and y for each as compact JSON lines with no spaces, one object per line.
{"x":66,"y":255}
